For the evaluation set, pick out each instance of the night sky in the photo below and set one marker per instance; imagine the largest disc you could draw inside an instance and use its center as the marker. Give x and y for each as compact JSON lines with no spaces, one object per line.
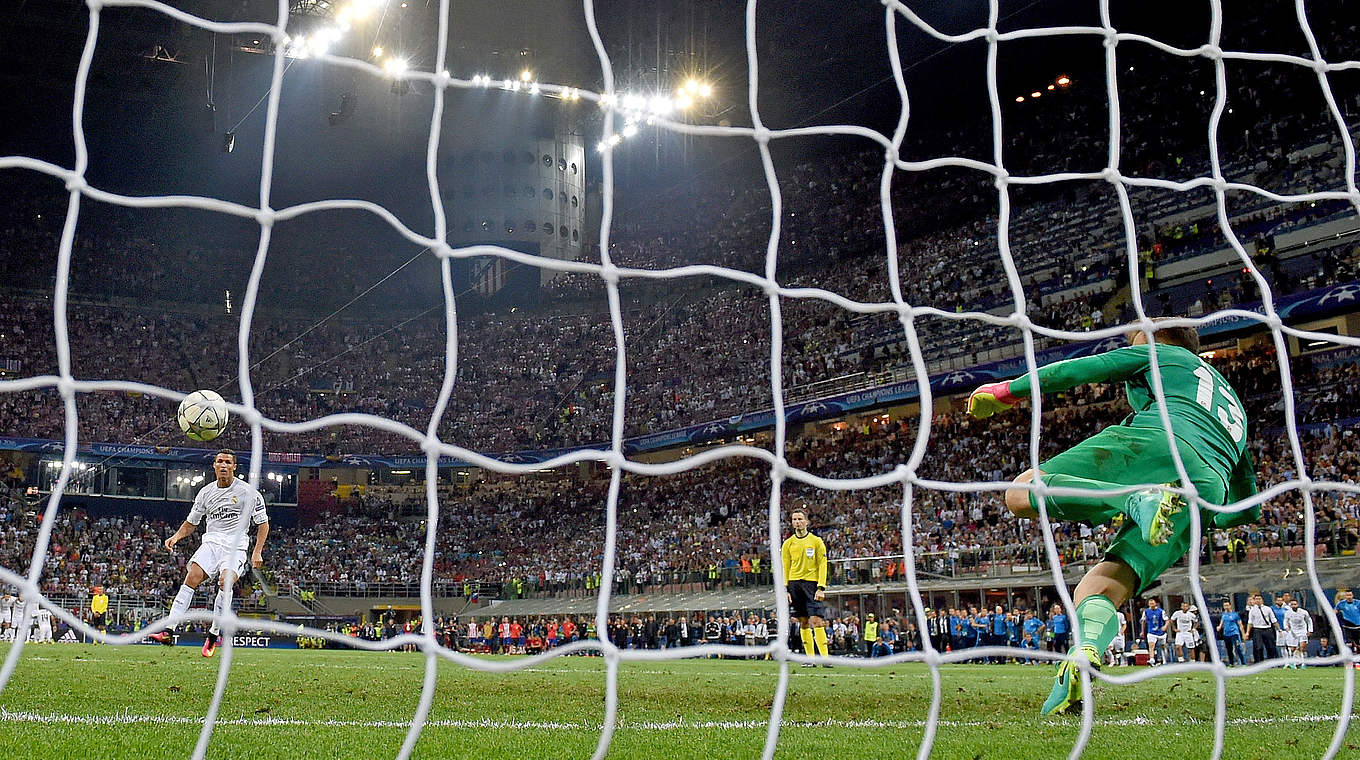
{"x":821,"y":62}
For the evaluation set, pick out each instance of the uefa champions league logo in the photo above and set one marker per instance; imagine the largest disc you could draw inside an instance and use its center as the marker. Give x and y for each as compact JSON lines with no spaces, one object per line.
{"x":1108,"y":344}
{"x":815,"y":407}
{"x":1340,"y":293}
{"x":958,"y":377}
{"x":713,"y":428}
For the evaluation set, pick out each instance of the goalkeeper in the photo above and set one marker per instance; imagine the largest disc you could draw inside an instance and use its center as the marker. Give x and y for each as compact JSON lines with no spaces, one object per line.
{"x":1211,"y":438}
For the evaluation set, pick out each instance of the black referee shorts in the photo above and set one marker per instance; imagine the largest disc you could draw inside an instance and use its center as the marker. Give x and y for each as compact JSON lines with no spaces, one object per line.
{"x":804,"y":600}
{"x":1352,"y":634}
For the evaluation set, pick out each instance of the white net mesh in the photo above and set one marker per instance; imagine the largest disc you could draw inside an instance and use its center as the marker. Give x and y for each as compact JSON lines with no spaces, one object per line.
{"x":904,"y":474}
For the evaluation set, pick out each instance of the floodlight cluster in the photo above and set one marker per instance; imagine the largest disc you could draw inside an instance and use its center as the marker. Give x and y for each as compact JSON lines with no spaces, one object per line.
{"x":1062,"y":82}
{"x":527,"y":83}
{"x":320,"y":41}
{"x":646,"y":107}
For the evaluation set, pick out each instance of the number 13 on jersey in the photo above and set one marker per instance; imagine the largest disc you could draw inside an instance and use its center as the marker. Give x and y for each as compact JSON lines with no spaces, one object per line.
{"x":1222,"y":404}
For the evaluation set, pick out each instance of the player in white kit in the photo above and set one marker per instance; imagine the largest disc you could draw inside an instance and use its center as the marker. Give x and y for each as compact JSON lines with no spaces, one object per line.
{"x":1183,"y":622}
{"x":222,"y":554}
{"x":43,"y":618}
{"x":1298,"y":626}
{"x":1116,"y":654}
{"x":7,"y":616}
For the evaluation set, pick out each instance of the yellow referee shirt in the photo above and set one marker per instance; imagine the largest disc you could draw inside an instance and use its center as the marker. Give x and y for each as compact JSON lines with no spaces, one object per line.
{"x":99,"y":604}
{"x":805,"y":559}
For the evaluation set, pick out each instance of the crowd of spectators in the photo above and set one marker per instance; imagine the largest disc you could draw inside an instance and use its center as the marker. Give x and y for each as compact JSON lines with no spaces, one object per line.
{"x":709,"y":525}
{"x":1146,"y":633}
{"x":543,"y":377}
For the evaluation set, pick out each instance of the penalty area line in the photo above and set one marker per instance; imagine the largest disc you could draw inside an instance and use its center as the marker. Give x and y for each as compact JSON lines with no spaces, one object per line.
{"x":128,"y":718}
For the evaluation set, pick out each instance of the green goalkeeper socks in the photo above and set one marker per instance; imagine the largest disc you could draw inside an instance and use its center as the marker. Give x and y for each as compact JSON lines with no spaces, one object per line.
{"x":1099,"y":622}
{"x":1092,"y":509}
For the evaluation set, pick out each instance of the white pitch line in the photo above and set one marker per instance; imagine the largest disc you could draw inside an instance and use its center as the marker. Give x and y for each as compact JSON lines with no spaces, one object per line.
{"x":127,"y":718}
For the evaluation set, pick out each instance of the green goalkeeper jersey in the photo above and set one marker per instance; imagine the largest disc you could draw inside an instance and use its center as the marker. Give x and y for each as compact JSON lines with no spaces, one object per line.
{"x":1206,"y":414}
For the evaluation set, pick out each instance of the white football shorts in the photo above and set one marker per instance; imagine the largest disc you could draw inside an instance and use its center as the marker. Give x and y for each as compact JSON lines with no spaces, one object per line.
{"x":1185,"y":639}
{"x":214,"y":558}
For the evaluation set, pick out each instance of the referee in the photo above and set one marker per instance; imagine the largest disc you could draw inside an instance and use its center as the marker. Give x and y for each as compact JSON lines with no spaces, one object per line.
{"x":99,"y":608}
{"x":805,"y":573}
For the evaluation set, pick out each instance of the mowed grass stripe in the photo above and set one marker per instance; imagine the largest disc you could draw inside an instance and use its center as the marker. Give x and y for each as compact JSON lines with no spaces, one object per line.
{"x":149,"y":702}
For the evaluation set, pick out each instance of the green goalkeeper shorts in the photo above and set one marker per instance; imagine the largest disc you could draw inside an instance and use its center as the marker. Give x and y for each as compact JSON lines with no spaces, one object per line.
{"x":1128,"y":455}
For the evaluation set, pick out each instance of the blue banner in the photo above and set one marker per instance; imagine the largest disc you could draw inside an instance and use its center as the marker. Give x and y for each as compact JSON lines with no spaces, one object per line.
{"x":1300,"y":306}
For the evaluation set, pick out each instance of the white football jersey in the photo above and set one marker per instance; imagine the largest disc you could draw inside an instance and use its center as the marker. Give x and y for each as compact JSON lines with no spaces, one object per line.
{"x":1298,"y":622}
{"x":43,"y":618}
{"x":1183,"y":621}
{"x":223,"y":508}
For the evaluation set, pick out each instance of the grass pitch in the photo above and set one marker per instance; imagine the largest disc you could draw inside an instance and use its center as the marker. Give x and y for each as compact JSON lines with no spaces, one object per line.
{"x":148,"y":702}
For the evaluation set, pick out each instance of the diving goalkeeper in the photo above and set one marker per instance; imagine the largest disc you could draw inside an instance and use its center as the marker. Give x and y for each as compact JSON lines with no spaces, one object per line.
{"x":1210,"y":432}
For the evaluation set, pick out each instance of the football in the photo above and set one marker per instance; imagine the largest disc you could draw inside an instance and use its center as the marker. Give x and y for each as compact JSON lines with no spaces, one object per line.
{"x":202,"y":415}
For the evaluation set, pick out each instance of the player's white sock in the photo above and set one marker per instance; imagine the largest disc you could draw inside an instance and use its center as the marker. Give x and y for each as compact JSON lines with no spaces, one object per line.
{"x":181,"y":604}
{"x":221,"y":606}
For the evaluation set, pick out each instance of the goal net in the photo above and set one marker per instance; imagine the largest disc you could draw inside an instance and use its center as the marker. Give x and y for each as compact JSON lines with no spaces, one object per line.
{"x":1122,"y":181}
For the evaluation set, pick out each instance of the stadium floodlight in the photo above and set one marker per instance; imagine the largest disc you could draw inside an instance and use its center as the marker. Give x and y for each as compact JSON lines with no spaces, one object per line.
{"x":661,"y":105}
{"x":683,"y":101}
{"x":533,"y":88}
{"x":1064,"y":80}
{"x":1035,"y":94}
{"x":1019,"y":98}
{"x":629,"y":129}
{"x":692,"y":85}
{"x":394,"y":65}
{"x":705,"y":90}
{"x":1050,"y":88}
{"x":615,"y":139}
{"x":526,"y":75}
{"x":377,"y":51}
